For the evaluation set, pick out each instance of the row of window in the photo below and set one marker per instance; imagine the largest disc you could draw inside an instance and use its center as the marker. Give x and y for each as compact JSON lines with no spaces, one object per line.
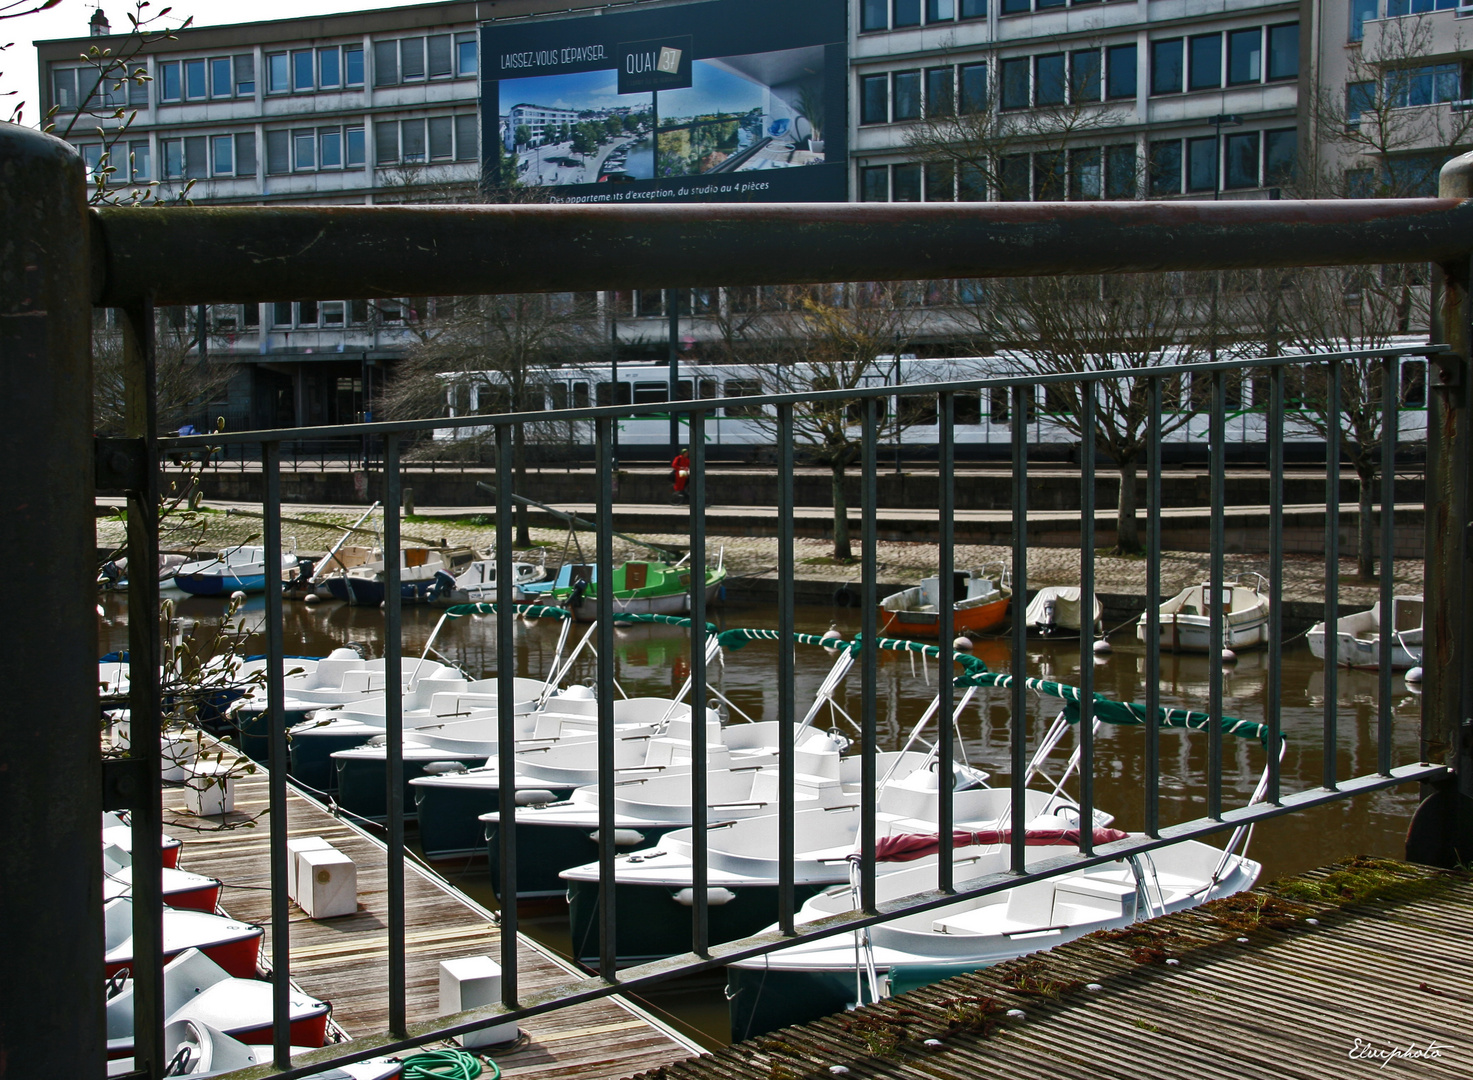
{"x":900,"y":14}
{"x":1084,"y":75}
{"x":907,"y":95}
{"x":1240,"y":160}
{"x":295,"y":71}
{"x":1363,"y":10}
{"x":1234,"y":58}
{"x":1402,"y":88}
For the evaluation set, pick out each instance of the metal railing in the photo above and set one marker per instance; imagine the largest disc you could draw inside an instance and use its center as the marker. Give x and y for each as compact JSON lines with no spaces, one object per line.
{"x":132,"y":259}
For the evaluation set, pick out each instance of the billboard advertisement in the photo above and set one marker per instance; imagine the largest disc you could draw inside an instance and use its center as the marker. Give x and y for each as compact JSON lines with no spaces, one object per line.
{"x":718,"y":100}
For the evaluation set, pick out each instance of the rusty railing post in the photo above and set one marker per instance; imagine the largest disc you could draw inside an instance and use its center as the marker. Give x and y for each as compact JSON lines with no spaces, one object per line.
{"x":1442,"y":830}
{"x":50,"y":757}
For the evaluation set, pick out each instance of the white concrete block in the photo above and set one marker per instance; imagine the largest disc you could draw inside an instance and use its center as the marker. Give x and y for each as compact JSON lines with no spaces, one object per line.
{"x":294,"y":847}
{"x":210,"y":790}
{"x":327,"y":883}
{"x":468,"y":983}
{"x":178,"y":751}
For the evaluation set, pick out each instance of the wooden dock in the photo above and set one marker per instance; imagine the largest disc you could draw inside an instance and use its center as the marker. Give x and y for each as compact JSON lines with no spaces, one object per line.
{"x":1362,"y":969}
{"x":343,"y":960}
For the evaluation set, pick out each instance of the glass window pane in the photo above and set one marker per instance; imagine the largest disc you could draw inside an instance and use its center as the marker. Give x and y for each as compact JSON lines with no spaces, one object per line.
{"x":307,"y":313}
{"x":907,"y":95}
{"x":1166,"y":66}
{"x":1016,"y":7}
{"x":1048,"y":86}
{"x":874,"y":15}
{"x":64,"y":87}
{"x":245,"y":154}
{"x":329,"y":67}
{"x":467,"y":137}
{"x":196,"y":152}
{"x":465,"y":54}
{"x":973,"y":9}
{"x":281,"y":314}
{"x":222,"y":155}
{"x":168,"y":77}
{"x":1206,"y":62}
{"x":1202,"y":164}
{"x":138,"y":152}
{"x":971,"y":184}
{"x":940,"y":186}
{"x":973,"y":95}
{"x":412,"y":145}
{"x":385,"y":63}
{"x":1015,"y":83}
{"x":1360,"y":11}
{"x":277,"y":81}
{"x":874,"y":105}
{"x":173,"y":153}
{"x":1279,"y":151}
{"x":412,"y":58}
{"x":353,"y":65}
{"x":304,"y":149}
{"x":1120,"y":172}
{"x":1283,"y":51}
{"x":1245,"y":56}
{"x":874,"y":184}
{"x":330,"y":147}
{"x":278,"y":152}
{"x":940,"y":10}
{"x":222,"y":79}
{"x":1240,"y":167}
{"x":355,"y":147}
{"x":245,"y":74}
{"x":1166,"y":168}
{"x":1084,"y":174}
{"x":439,"y":48}
{"x":1120,"y":71}
{"x":442,"y":138}
{"x":1048,"y":176}
{"x":907,"y":12}
{"x":194,"y":79}
{"x":385,"y":142}
{"x":302,"y":73}
{"x":1013,"y":178}
{"x":138,"y":92}
{"x":1084,"y":75}
{"x":907,"y":182}
{"x":940,"y":99}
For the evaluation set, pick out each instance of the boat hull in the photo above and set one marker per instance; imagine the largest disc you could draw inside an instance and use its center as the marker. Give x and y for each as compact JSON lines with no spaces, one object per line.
{"x":981,"y":619}
{"x":545,"y":851}
{"x":1191,"y":633}
{"x":220,"y":584}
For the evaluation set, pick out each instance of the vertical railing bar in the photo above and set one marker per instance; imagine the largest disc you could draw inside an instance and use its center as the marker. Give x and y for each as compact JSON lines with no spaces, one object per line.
{"x":946,"y":634}
{"x":144,"y":697}
{"x":1217,"y":622}
{"x":394,"y":734}
{"x":1331,"y":737}
{"x":1273,"y":706}
{"x":604,"y":593}
{"x":700,"y":841}
{"x":1018,"y":814}
{"x":1153,"y":605}
{"x":1086,"y":616}
{"x":506,"y":720}
{"x":1390,"y":398}
{"x":869,"y":654}
{"x":786,"y":675}
{"x":276,"y":785}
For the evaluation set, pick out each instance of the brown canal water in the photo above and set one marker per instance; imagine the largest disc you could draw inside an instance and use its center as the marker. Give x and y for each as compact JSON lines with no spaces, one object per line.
{"x":654,"y":660}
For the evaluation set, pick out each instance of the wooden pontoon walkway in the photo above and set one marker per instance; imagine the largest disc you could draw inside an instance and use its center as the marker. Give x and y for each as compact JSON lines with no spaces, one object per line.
{"x":1362,"y":969}
{"x":343,"y":960}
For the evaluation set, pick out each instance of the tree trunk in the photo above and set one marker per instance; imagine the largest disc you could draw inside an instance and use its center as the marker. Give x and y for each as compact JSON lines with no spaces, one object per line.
{"x":1365,"y":543}
{"x":1127,"y":531}
{"x":842,"y":549}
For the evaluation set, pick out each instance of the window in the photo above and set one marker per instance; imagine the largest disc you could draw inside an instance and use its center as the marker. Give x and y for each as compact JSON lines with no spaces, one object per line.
{"x":412,"y":59}
{"x":440,"y":50}
{"x":1015,"y":7}
{"x":1048,"y":177}
{"x":465,"y":54}
{"x":874,"y":15}
{"x":940,"y":96}
{"x":1360,"y":11}
{"x":356,"y":155}
{"x":222,"y":79}
{"x":1240,"y":160}
{"x":940,"y":10}
{"x":307,"y":313}
{"x":1084,"y":174}
{"x":1166,"y":168}
{"x":1279,"y":151}
{"x":1084,"y":75}
{"x":1048,"y":82}
{"x":467,"y":137}
{"x":222,"y":155}
{"x":64,"y":88}
{"x":973,"y":9}
{"x":1427,"y":85}
{"x":971,"y":184}
{"x":168,"y":76}
{"x":1166,"y":66}
{"x":171,"y":151}
{"x":385,"y":63}
{"x":194,"y":79}
{"x":1245,"y":56}
{"x":245,"y":154}
{"x":907,"y":95}
{"x":442,"y":138}
{"x":304,"y":149}
{"x":329,"y":68}
{"x":1120,"y":172}
{"x":1015,"y":83}
{"x":278,"y":152}
{"x":412,"y":141}
{"x":245,"y":75}
{"x":940,"y":183}
{"x":874,"y":184}
{"x":277,"y":81}
{"x":92,"y":158}
{"x":1012,"y":179}
{"x":353,"y":65}
{"x":907,"y":183}
{"x":1283,"y":51}
{"x":1202,"y":164}
{"x":138,"y":93}
{"x":196,"y":157}
{"x":138,"y":155}
{"x":973,"y":96}
{"x":874,"y":105}
{"x":1206,"y":57}
{"x":303,"y":76}
{"x":385,"y":142}
{"x":330,"y":148}
{"x":1359,"y":97}
{"x":281,"y":314}
{"x":1120,"y":71}
{"x":907,"y":13}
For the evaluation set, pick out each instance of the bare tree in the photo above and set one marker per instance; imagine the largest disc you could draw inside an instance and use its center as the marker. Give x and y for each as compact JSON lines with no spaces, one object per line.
{"x":188,"y":380}
{"x":487,"y":354}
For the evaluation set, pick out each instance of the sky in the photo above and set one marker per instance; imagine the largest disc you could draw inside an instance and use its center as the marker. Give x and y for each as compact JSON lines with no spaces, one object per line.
{"x":70,"y":18}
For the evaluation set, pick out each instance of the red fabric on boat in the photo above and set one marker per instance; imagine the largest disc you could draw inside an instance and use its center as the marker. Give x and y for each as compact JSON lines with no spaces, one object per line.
{"x":907,"y":847}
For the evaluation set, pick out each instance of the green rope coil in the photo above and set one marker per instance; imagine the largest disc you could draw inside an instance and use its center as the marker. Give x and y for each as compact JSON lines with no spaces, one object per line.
{"x":629,"y":619}
{"x":537,"y":611}
{"x":449,"y":1064}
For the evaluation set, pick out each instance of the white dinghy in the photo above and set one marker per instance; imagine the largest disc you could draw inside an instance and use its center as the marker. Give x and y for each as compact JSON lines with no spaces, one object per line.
{"x":1186,"y":619}
{"x":1358,"y":636}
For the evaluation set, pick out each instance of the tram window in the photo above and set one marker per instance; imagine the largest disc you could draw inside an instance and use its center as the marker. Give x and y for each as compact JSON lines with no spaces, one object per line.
{"x":708,"y":388}
{"x":743,"y":388}
{"x":580,"y":395}
{"x":998,"y":405}
{"x":607,"y":393}
{"x":646,"y":393}
{"x":918,"y":409}
{"x":966,"y":408}
{"x":558,"y":393}
{"x":1061,"y":398}
{"x":1232,"y":391}
{"x":1414,"y":384}
{"x":682,"y":390}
